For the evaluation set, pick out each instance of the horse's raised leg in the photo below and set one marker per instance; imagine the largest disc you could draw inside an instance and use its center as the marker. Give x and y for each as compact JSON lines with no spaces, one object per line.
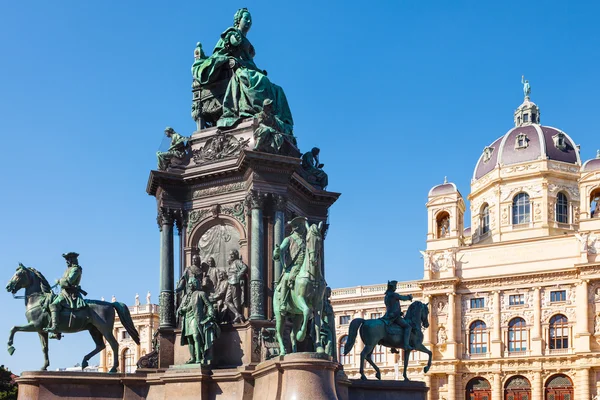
{"x":425,"y":350}
{"x":30,"y":327}
{"x":366,"y":355}
{"x":44,"y":342}
{"x":406,"y":356}
{"x":302,"y":306}
{"x":296,"y":326}
{"x":99,"y":341}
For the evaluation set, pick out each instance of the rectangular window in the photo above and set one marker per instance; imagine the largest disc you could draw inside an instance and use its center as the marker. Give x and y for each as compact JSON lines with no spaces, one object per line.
{"x":558,"y":295}
{"x":344,"y":319}
{"x":375,"y":315}
{"x":125,"y":335}
{"x":525,"y":117}
{"x":478,"y":302}
{"x":516,"y":299}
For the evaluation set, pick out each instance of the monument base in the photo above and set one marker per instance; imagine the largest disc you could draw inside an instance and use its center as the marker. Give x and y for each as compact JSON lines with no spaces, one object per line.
{"x":46,"y":385}
{"x":386,"y":390}
{"x":296,"y":376}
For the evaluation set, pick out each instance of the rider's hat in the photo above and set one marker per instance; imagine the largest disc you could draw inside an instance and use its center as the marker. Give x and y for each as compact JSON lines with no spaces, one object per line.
{"x":70,"y":256}
{"x":298,"y":222}
{"x":393,"y":284}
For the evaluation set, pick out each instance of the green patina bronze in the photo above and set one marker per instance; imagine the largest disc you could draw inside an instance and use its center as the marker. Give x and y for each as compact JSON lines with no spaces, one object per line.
{"x":248,"y":87}
{"x":313,"y":169}
{"x":67,"y":312}
{"x":176,"y":149}
{"x":300,"y":292}
{"x":270,"y":134}
{"x":328,"y":326}
{"x":199,"y":328}
{"x":393,"y":330}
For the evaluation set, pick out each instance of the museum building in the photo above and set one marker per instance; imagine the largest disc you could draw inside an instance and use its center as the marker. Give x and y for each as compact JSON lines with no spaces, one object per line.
{"x":514,"y":298}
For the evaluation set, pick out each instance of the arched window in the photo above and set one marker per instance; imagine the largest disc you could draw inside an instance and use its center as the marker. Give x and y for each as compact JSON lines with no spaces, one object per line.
{"x":345,"y":360}
{"x":521,"y":209}
{"x":485,"y":219}
{"x":559,"y":332}
{"x":559,"y":387}
{"x":479,"y":389}
{"x":595,"y":203}
{"x":478,"y":338}
{"x":517,"y":335}
{"x":562,"y":208}
{"x":517,"y":388}
{"x":128,"y":363}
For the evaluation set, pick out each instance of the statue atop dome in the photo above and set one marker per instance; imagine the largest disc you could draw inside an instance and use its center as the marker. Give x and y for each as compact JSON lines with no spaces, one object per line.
{"x":232,"y":87}
{"x":526,"y":86}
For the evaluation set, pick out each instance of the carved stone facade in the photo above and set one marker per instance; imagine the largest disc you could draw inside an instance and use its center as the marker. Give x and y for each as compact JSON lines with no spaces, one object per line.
{"x":515,"y":298}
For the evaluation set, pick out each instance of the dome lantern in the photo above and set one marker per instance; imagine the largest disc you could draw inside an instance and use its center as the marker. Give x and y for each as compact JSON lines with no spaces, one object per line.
{"x":528,"y":112}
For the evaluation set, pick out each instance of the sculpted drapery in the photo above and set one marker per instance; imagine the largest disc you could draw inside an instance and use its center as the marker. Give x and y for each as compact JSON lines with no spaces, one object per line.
{"x":249,"y":86}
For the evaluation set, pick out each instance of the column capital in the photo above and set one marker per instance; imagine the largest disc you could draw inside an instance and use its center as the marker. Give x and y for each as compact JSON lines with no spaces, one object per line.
{"x":279,"y":202}
{"x":164,"y":217}
{"x":255,"y":200}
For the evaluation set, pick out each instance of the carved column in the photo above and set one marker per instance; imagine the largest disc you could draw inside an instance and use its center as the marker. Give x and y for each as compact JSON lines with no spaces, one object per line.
{"x":428,"y":384}
{"x":496,"y":331}
{"x":428,"y":334}
{"x":536,"y":331}
{"x":451,"y":316}
{"x":537,"y":387}
{"x":497,"y":387}
{"x":280,"y":203}
{"x":451,"y":386}
{"x":167,"y":274}
{"x":257,"y":296}
{"x":583,"y":376}
{"x":581,"y":298}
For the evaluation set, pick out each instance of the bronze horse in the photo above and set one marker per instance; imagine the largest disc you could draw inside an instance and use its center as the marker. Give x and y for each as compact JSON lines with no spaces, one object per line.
{"x":98,"y":317}
{"x":374,"y":332}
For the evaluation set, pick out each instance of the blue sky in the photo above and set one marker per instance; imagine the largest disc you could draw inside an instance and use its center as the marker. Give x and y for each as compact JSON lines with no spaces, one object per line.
{"x":396,"y":94}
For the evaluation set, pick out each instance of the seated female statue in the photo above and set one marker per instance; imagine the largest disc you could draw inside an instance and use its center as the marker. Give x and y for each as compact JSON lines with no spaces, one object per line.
{"x":249,"y":86}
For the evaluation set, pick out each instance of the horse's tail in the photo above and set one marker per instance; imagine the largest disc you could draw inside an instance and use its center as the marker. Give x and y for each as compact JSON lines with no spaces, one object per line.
{"x":352,"y":332}
{"x":125,"y":317}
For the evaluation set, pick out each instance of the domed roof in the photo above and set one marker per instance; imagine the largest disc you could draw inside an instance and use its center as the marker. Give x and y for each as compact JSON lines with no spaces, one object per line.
{"x":593,"y":164}
{"x":527,"y":143}
{"x":444,"y":188}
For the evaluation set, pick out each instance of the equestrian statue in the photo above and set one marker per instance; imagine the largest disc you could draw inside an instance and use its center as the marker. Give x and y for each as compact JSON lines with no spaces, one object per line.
{"x":51,"y":314}
{"x":300,"y":291}
{"x":393,"y":330}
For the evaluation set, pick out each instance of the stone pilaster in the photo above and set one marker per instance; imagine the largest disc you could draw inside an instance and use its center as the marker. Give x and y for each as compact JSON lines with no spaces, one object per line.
{"x":582,"y":387}
{"x":496,"y":331}
{"x":497,"y":387}
{"x":167,"y":274}
{"x":451,"y":347}
{"x":582,"y":333}
{"x":537,"y":386}
{"x":280,"y":203}
{"x":452,"y":386}
{"x":536,"y":331}
{"x":428,"y":333}
{"x":255,"y":201}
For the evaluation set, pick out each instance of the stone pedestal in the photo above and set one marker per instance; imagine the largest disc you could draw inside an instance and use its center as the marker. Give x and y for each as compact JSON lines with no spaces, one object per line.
{"x":386,"y":390}
{"x":45,"y":385}
{"x":296,"y":376}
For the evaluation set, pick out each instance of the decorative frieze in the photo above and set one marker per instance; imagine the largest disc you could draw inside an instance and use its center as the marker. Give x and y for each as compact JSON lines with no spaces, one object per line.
{"x":222,"y":146}
{"x":212,"y":191}
{"x":236,"y":211}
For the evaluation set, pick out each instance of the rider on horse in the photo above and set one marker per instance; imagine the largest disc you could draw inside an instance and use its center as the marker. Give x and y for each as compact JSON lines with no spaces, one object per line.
{"x":394,"y":313}
{"x":70,"y":295}
{"x":292,"y":250}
